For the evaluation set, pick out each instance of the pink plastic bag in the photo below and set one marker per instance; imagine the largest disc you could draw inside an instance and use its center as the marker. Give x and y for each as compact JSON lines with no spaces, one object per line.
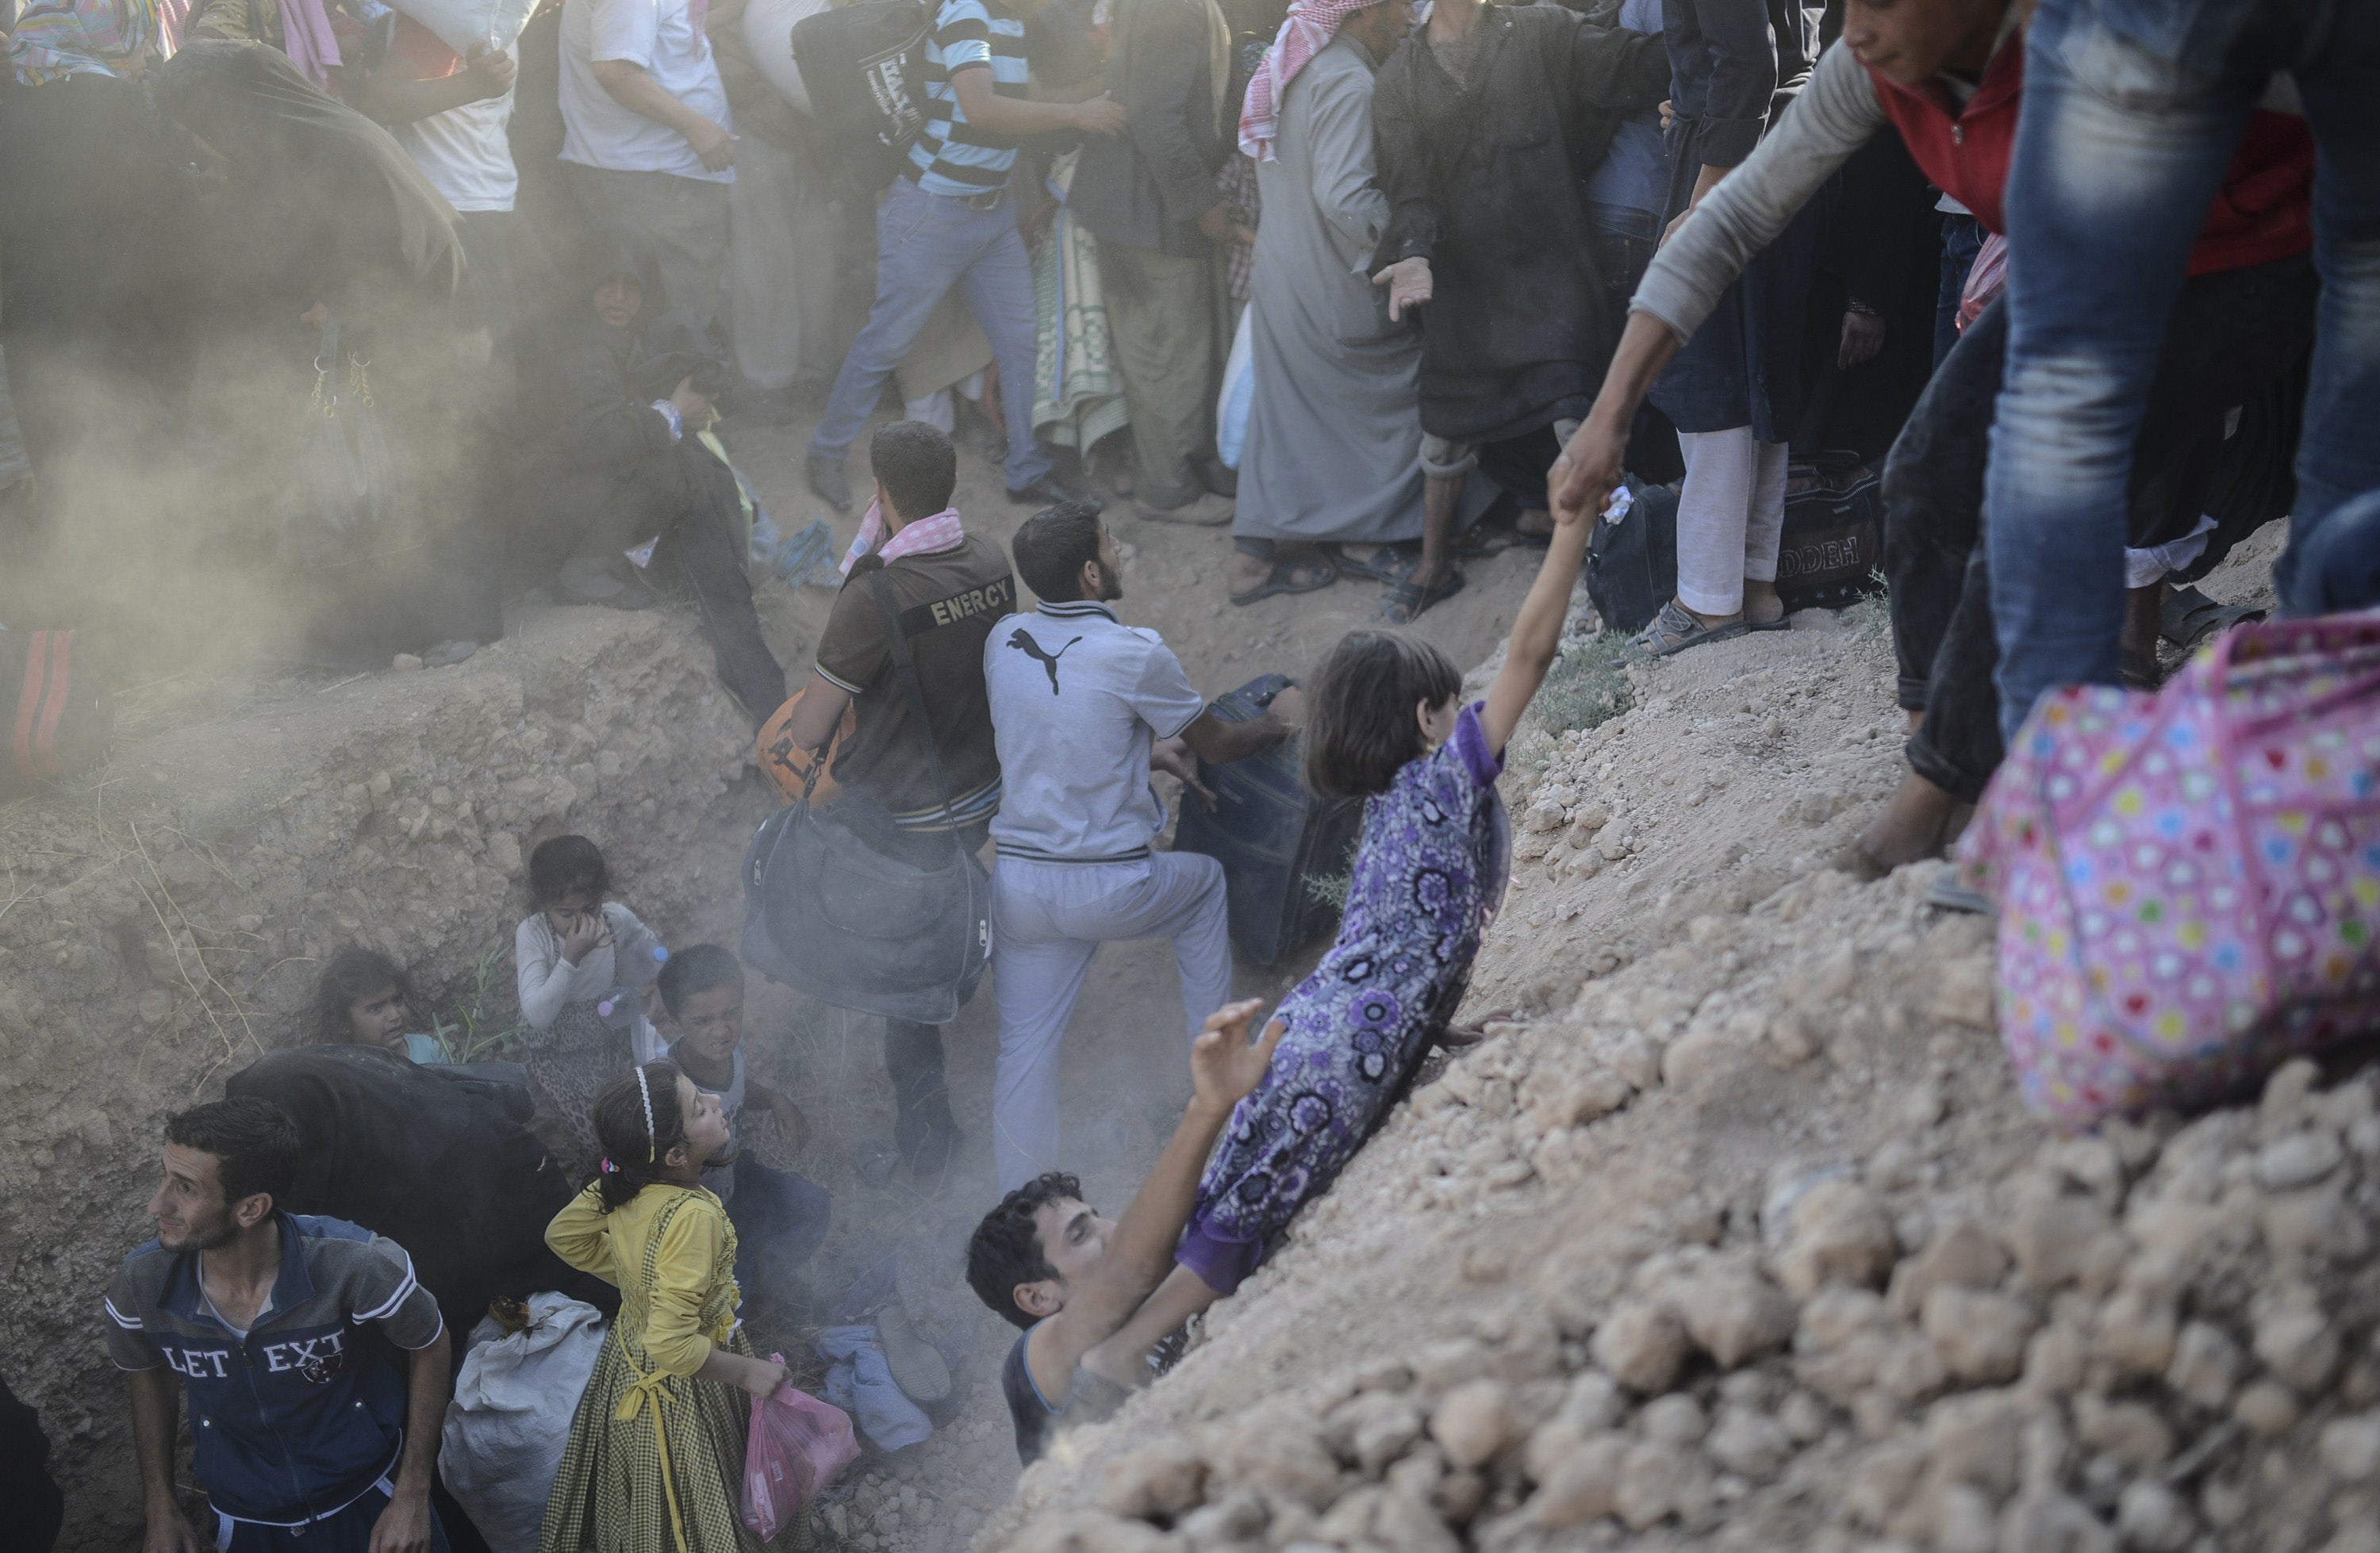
{"x":1986,"y":278}
{"x":798,"y":1446}
{"x":2189,"y":883}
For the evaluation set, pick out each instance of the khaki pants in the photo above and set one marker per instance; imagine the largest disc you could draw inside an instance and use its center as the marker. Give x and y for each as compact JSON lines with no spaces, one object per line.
{"x":1166,"y":317}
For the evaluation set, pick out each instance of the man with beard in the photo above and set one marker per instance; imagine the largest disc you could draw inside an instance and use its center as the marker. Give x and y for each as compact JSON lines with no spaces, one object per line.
{"x":1082,"y":707}
{"x":315,"y":1364}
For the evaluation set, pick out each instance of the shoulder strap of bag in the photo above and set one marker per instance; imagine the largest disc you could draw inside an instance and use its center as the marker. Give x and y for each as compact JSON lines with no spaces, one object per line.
{"x":906,"y":667}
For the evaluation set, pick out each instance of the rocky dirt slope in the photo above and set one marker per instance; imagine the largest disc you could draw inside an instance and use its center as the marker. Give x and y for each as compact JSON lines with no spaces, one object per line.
{"x":1735,"y":1235}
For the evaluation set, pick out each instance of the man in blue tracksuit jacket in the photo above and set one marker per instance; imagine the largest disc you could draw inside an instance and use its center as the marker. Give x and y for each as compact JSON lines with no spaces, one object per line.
{"x":315,"y":1362}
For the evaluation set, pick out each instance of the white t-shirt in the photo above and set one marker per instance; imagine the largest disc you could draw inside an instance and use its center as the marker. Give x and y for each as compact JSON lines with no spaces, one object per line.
{"x":659,"y":36}
{"x":463,"y":151}
{"x":1076,"y":698}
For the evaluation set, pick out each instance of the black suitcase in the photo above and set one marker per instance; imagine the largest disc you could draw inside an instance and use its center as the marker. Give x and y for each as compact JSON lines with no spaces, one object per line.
{"x":1274,"y":838}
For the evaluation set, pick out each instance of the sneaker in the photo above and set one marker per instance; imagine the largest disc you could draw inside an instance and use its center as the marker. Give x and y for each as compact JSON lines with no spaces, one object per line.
{"x":1049,"y":492}
{"x":826,"y":480}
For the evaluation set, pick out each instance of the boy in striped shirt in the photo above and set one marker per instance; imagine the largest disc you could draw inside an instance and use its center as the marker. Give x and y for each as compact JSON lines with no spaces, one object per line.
{"x":948,"y":220}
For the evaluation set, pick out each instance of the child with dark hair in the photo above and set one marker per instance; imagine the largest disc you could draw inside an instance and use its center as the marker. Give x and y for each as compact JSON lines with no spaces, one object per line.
{"x":576,"y":947}
{"x":779,"y":1217}
{"x":365,"y":999}
{"x":656,"y":1451}
{"x":1384,"y":721}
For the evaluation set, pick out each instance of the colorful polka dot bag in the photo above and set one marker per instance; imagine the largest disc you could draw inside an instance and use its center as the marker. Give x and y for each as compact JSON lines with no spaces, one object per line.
{"x":2189,"y":881}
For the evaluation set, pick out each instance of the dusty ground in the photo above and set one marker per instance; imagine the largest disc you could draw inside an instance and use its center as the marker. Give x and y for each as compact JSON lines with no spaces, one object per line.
{"x":1735,"y":1236}
{"x":162,"y":923}
{"x":1738,"y":1237}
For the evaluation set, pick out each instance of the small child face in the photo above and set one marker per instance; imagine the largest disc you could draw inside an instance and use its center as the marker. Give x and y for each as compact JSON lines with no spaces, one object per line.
{"x":379,"y":1019}
{"x":705,"y":1123}
{"x":710,"y":1022}
{"x":574,"y":911}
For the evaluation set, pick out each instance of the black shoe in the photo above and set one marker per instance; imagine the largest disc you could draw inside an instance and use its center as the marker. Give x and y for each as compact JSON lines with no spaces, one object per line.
{"x":826,"y":480}
{"x":1049,"y":492}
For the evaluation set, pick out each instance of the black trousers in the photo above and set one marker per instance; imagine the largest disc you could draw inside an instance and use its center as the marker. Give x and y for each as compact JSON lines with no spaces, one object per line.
{"x":698,"y":553}
{"x":2233,"y":336}
{"x":913,"y":1053}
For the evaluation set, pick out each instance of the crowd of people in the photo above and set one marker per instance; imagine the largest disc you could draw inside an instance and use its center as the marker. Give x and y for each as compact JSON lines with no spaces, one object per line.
{"x":1438,"y":285}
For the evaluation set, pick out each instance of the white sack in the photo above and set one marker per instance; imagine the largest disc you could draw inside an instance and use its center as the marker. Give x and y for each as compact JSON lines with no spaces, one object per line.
{"x":510,"y":1420}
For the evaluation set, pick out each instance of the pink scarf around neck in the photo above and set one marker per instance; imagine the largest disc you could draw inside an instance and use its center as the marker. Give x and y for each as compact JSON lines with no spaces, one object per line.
{"x":928,"y":536}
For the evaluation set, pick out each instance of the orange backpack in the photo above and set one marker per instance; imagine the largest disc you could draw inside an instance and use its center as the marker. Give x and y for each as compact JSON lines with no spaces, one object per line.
{"x":793,"y":770}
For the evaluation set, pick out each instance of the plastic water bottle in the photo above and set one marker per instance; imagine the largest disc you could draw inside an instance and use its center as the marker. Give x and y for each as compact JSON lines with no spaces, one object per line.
{"x":620,"y":1006}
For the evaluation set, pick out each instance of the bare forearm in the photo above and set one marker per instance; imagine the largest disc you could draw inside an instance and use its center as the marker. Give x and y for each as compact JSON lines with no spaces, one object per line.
{"x":730,"y":1369}
{"x":1536,"y":634}
{"x":1220,"y":743}
{"x":1142,"y":1252}
{"x":1645,"y":346}
{"x":427,"y":1384}
{"x":153,"y":1436}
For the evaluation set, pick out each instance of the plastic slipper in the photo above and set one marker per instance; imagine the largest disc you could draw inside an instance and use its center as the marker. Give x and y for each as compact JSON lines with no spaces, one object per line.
{"x":1407,"y":601}
{"x":1387,"y":565}
{"x":1946,"y":893}
{"x":1783,"y":623}
{"x":1673,"y":630}
{"x":1290,"y":577}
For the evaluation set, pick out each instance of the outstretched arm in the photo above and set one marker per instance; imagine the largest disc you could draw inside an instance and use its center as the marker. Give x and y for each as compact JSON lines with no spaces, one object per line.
{"x":1223,"y":1068}
{"x":1536,"y":634}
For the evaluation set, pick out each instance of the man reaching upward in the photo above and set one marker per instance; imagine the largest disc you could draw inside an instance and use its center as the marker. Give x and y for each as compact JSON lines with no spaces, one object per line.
{"x":1046,"y":1260}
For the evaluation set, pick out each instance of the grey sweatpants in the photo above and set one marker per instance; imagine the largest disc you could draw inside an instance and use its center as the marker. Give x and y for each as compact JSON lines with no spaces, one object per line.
{"x":1048,"y":919}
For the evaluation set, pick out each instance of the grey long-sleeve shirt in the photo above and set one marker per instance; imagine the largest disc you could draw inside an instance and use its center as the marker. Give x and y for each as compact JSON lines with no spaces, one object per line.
{"x":1836,"y":115}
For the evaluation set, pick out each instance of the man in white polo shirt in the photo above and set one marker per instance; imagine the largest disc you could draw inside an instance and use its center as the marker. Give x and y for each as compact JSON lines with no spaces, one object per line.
{"x":1080,"y":701}
{"x":647,"y":132}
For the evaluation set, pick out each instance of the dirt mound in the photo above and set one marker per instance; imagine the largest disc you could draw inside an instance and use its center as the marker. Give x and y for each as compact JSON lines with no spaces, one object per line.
{"x":1737,"y":1235}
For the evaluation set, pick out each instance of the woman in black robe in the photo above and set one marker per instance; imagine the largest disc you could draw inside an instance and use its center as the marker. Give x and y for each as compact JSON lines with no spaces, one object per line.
{"x":325,"y":224}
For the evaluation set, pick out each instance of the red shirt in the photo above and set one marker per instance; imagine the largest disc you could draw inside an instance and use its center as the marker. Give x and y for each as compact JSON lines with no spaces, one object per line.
{"x":2263,"y":212}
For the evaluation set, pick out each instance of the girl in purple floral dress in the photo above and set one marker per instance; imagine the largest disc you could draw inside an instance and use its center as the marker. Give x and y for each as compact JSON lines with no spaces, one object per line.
{"x":1383,"y":721}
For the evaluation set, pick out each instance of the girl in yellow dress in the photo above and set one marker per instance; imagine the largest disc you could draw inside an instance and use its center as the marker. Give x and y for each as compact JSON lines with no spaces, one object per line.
{"x":655,"y":1462}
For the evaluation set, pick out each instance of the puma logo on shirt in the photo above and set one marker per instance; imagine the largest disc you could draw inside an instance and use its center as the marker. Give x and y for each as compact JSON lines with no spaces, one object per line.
{"x":1031,"y":649}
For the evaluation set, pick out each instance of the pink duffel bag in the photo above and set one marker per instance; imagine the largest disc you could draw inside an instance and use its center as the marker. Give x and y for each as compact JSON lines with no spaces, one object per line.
{"x":2189,"y":881}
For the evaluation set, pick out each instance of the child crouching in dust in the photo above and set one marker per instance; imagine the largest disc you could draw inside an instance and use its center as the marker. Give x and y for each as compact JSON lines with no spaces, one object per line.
{"x":656,"y":1453}
{"x":1384,"y":720}
{"x":779,"y":1218}
{"x":570,"y":953}
{"x":365,"y":999}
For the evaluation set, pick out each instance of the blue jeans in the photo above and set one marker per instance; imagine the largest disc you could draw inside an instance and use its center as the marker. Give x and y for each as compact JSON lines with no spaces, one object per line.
{"x":1963,"y":239}
{"x":2132,"y":109}
{"x":926,"y":244}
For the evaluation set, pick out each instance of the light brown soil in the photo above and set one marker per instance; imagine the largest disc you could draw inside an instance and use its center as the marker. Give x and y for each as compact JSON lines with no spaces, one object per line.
{"x":162,"y":923}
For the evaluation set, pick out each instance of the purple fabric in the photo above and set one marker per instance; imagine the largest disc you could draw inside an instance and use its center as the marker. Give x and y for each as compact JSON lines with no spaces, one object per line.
{"x":1429,"y":874}
{"x":307,"y":38}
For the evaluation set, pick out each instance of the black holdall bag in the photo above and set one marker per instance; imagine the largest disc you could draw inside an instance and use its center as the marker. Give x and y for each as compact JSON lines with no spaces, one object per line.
{"x":1631,"y":562}
{"x":1272,"y":835}
{"x":843,"y":906}
{"x":1832,"y":552}
{"x":864,"y":66}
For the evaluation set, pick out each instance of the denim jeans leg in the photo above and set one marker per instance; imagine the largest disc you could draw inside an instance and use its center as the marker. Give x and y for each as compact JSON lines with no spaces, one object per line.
{"x":921,"y":248}
{"x":999,"y":290}
{"x":2109,"y":186}
{"x":1933,"y":503}
{"x":2339,"y":457}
